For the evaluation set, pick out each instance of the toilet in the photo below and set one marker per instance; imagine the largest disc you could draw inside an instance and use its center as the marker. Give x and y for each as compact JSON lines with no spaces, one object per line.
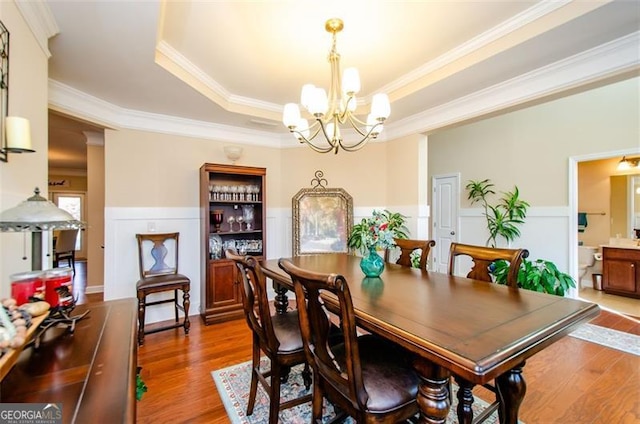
{"x":588,"y":263}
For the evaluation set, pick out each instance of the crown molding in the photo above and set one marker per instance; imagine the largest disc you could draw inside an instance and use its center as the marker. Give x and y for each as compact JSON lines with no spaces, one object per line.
{"x":605,"y":61}
{"x":94,"y":138}
{"x":173,"y":61}
{"x":602,"y":62}
{"x":40,"y":21}
{"x":76,"y":103}
{"x":477,"y":43}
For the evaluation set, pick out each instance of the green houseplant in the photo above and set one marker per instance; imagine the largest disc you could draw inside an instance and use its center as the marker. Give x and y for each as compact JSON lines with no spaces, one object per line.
{"x":503,"y":220}
{"x":505,"y":216}
{"x":377,"y":232}
{"x":539,"y":275}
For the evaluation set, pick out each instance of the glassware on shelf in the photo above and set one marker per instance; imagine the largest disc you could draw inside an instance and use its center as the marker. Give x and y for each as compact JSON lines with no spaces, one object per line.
{"x":242,"y":193}
{"x":218,"y":216}
{"x":231,"y":220}
{"x":247,"y":214}
{"x":239,"y":220}
{"x":215,"y":246}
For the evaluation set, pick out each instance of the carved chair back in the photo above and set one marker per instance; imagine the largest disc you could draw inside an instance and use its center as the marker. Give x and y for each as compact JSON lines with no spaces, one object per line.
{"x":158,"y":254}
{"x":407,"y":247}
{"x":255,"y":300}
{"x":483,"y":257}
{"x":315,"y":328}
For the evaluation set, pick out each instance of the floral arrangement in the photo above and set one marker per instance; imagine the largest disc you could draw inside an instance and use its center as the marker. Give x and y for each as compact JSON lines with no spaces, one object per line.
{"x":378,"y":231}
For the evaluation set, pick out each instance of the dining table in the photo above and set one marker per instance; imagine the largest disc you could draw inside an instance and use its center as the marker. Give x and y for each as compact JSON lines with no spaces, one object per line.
{"x":472,"y":330}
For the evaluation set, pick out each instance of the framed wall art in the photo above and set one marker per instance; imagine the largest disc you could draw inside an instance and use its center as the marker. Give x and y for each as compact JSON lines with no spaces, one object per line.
{"x":322,"y":219}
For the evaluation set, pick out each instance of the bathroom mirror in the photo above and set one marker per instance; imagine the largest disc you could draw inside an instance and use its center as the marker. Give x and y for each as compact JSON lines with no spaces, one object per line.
{"x":625,"y":205}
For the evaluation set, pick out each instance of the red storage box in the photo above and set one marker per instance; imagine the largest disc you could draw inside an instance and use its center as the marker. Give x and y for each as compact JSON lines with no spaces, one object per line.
{"x":59,"y":289}
{"x":27,"y":284}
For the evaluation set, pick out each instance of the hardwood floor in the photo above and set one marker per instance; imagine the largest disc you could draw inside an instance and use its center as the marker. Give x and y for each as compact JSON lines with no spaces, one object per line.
{"x":572,"y":381}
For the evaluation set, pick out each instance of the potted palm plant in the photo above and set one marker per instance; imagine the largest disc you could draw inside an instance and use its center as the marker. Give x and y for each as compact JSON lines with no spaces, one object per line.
{"x":377,"y":232}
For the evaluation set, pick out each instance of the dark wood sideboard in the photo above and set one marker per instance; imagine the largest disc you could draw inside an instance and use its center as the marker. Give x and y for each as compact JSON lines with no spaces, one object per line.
{"x":91,"y":371}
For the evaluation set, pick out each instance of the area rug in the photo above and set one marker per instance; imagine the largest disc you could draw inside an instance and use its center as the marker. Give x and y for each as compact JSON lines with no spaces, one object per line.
{"x":613,"y":339}
{"x":233,"y":385}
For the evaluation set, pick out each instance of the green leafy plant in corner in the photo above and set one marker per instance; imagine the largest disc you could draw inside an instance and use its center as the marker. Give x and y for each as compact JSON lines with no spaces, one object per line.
{"x":141,"y":388}
{"x":539,"y":275}
{"x":504,"y":217}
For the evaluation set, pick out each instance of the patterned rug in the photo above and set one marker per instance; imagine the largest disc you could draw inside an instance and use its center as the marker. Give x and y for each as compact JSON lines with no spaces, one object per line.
{"x":233,"y":385}
{"x":613,"y":339}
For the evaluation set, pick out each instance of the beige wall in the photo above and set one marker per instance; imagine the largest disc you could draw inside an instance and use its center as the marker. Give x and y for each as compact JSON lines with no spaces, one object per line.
{"x":27,"y":98}
{"x":95,"y":216}
{"x":362,"y":174}
{"x":531,"y":147}
{"x":144,"y":169}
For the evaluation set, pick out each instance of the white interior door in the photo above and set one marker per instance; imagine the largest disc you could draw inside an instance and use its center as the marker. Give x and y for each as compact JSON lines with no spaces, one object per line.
{"x":445,"y":204}
{"x":74,"y":203}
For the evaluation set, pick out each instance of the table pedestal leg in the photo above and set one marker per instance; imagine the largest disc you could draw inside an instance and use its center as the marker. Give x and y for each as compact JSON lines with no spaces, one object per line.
{"x":511,"y":389}
{"x":281,"y":301}
{"x":465,"y":400}
{"x":433,"y":392}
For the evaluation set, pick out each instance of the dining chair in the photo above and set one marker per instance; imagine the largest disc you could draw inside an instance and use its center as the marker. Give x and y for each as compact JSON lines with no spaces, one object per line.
{"x":157,"y":276}
{"x":366,"y":377}
{"x":65,"y":248}
{"x":407,"y":247}
{"x":482,"y":258}
{"x":275,"y":334}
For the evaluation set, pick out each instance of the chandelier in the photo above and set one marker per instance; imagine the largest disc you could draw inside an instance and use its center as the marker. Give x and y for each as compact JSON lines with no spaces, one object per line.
{"x":329,"y":112}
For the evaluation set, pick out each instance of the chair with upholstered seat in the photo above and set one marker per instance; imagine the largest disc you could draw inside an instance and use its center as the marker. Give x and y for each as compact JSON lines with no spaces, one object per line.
{"x":407,"y":247}
{"x":482,"y":258}
{"x":277,"y":335}
{"x":366,"y":377}
{"x":157,"y":276}
{"x":65,"y":248}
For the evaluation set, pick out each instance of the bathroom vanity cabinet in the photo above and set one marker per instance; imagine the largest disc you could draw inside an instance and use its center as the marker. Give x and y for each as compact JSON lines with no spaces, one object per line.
{"x":621,"y":271}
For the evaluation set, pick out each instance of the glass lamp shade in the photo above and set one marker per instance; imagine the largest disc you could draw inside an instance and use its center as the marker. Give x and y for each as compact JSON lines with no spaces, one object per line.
{"x":306,"y":96}
{"x":319,"y":102}
{"x":380,"y":107}
{"x":291,"y":115}
{"x":18,"y":132}
{"x":350,"y":81}
{"x":37,"y":214}
{"x":623,"y":165}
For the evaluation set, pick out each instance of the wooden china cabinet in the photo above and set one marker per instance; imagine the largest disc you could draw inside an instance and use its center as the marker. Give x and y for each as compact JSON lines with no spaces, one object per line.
{"x":232,"y":214}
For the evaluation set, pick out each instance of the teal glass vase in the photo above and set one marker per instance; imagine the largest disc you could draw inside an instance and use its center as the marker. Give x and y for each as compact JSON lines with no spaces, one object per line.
{"x":372,"y":264}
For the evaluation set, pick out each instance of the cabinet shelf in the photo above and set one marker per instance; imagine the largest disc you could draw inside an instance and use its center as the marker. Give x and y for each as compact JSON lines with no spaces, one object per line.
{"x":235,"y":233}
{"x":235,"y":202}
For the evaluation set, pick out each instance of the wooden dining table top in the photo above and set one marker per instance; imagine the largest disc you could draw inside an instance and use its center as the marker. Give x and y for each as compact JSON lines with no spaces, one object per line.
{"x":475,"y":329}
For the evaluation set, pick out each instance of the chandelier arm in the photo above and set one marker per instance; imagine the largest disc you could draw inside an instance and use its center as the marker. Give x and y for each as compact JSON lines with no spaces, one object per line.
{"x":354,"y":147}
{"x":309,"y":140}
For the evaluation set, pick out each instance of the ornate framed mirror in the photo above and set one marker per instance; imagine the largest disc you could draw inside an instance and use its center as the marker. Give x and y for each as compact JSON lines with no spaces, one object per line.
{"x":322,"y":219}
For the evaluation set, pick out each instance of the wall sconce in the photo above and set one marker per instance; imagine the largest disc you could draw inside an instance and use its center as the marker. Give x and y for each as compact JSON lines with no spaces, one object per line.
{"x":17,"y":137}
{"x":233,"y":153}
{"x":628,"y":164}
